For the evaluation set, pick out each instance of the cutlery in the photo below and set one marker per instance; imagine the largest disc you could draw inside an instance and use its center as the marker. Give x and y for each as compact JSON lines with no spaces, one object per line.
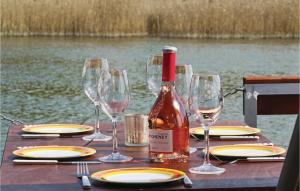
{"x":25,"y":161}
{"x":83,"y":173}
{"x":39,"y":135}
{"x":194,"y":136}
{"x":263,"y":144}
{"x":187,"y":182}
{"x":236,"y":137}
{"x":259,"y":159}
{"x":230,"y":137}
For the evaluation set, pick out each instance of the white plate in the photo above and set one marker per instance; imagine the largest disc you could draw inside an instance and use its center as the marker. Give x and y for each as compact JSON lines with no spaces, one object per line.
{"x":242,"y":150}
{"x":54,"y":152}
{"x":226,"y":131}
{"x":140,"y":175}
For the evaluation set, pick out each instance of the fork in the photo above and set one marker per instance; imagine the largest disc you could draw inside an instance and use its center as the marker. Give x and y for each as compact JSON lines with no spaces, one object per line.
{"x":83,"y":173}
{"x":259,"y":159}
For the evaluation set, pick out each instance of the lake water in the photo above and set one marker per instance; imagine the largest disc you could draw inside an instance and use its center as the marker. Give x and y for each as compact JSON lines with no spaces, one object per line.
{"x":41,"y":76}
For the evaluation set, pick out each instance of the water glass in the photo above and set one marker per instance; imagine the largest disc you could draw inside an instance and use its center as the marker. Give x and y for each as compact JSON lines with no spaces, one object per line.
{"x":136,"y":130}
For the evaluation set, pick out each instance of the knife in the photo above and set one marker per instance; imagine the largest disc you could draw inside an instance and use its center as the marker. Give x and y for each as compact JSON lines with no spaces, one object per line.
{"x":257,"y":144}
{"x":237,"y":137}
{"x":251,"y":144}
{"x":187,"y":182}
{"x":38,"y":136}
{"x":258,"y":159}
{"x":229,"y":137}
{"x":24,"y":161}
{"x":265,"y":159}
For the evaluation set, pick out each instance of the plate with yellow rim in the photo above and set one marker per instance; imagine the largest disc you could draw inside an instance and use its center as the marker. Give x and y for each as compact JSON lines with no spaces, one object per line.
{"x":57,"y":128}
{"x":138,"y":175}
{"x":243,"y":150}
{"x":226,"y":130}
{"x":54,"y":152}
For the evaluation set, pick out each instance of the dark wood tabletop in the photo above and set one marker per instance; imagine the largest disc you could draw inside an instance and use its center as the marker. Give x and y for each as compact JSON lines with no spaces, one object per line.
{"x":238,"y":176}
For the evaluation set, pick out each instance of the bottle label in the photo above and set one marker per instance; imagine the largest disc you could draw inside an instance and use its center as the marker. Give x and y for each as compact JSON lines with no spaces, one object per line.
{"x":161,"y":140}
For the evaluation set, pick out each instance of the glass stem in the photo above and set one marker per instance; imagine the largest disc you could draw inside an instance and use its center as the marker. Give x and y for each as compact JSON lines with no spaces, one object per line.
{"x":97,"y":125}
{"x":115,"y":138}
{"x":206,"y":138}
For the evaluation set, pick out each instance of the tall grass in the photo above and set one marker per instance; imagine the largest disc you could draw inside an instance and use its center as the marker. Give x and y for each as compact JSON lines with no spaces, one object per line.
{"x":170,"y":18}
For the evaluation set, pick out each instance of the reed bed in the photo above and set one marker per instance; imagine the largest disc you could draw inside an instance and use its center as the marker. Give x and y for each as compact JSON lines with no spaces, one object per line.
{"x":162,"y":18}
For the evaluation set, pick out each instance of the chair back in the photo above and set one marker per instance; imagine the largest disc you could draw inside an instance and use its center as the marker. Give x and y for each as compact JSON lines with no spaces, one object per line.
{"x":289,"y":177}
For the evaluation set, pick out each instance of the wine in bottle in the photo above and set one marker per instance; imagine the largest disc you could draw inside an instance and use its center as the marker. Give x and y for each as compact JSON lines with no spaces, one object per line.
{"x":168,"y":122}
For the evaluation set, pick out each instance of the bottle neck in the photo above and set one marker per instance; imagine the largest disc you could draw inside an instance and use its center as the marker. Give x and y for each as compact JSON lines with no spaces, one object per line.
{"x":168,"y":67}
{"x":167,"y":86}
{"x":168,"y":83}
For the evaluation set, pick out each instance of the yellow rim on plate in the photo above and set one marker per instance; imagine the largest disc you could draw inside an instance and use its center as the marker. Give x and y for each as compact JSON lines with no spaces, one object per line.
{"x":226,"y":130}
{"x":138,"y":175}
{"x":54,"y":152}
{"x":57,"y":128}
{"x":241,"y":150}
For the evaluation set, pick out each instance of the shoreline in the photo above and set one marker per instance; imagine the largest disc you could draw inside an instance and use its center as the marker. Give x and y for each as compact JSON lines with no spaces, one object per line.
{"x":146,"y":35}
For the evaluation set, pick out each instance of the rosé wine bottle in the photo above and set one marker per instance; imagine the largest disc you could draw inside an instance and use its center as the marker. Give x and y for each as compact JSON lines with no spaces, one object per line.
{"x":168,"y":121}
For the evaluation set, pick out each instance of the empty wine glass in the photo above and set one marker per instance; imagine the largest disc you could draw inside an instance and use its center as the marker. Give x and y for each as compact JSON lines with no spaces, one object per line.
{"x":183,"y":79}
{"x":114,"y":97}
{"x":206,"y":103}
{"x":153,"y":73}
{"x":184,"y":75}
{"x":90,"y":77}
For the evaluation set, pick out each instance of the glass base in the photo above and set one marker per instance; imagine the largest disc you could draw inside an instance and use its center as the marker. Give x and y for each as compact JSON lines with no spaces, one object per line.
{"x":192,"y":150}
{"x":97,"y":137}
{"x":115,"y":157}
{"x":207,"y":169}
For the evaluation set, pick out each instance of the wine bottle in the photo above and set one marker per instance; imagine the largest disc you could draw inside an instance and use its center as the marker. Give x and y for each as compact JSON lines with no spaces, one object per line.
{"x":168,"y":122}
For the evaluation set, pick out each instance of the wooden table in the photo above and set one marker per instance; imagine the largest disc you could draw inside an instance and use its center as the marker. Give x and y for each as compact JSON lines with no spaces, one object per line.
{"x":239,"y":176}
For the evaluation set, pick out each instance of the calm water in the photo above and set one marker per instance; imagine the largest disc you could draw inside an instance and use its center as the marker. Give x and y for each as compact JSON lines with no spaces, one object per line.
{"x":41,"y":76}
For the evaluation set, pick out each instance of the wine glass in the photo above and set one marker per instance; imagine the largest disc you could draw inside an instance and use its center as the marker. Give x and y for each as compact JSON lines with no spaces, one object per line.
{"x":114,"y":97}
{"x":206,"y":103}
{"x":90,"y":77}
{"x":183,"y":79}
{"x":184,"y":75}
{"x":153,"y":73}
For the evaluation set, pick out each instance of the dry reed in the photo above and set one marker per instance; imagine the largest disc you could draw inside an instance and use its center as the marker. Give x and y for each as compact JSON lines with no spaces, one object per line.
{"x":169,"y":18}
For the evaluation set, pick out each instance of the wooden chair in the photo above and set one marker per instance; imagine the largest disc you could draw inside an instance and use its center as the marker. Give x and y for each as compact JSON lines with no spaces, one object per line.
{"x":265,"y":95}
{"x":289,"y":177}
